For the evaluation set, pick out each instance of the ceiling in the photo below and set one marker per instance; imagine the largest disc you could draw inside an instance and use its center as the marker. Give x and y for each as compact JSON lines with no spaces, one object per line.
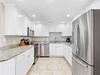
{"x":51,"y":10}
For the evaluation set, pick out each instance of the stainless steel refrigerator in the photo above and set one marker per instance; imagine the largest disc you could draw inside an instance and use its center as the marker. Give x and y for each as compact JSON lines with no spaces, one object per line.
{"x":86,"y":44}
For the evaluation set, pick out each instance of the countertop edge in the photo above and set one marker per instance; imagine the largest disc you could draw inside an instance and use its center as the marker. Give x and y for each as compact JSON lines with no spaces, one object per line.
{"x":16,"y":54}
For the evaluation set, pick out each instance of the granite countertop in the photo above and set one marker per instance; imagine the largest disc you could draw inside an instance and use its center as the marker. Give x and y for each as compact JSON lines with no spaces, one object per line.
{"x":40,"y":42}
{"x":10,"y":53}
{"x":69,"y":44}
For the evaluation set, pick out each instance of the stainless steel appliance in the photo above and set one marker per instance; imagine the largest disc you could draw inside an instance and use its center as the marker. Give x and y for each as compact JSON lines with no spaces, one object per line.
{"x":68,"y":40}
{"x":44,"y":49}
{"x":30,"y":31}
{"x":36,"y":52}
{"x":86,"y":44}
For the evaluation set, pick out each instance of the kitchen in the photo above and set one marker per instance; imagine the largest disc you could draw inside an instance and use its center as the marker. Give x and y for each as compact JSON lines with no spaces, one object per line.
{"x":50,"y":37}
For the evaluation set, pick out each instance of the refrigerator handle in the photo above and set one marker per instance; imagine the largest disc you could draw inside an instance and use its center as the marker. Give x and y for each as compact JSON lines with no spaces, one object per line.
{"x":76,"y":38}
{"x":80,"y":62}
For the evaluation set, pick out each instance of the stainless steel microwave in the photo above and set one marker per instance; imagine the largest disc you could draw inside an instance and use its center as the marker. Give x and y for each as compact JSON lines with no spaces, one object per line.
{"x":30,"y":31}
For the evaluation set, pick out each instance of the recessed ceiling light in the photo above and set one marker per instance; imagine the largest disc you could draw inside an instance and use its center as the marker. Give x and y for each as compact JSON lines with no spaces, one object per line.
{"x":33,"y":16}
{"x":68,"y":15}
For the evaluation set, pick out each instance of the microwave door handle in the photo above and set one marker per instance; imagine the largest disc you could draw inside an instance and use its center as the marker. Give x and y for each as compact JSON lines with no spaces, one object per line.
{"x":80,"y":62}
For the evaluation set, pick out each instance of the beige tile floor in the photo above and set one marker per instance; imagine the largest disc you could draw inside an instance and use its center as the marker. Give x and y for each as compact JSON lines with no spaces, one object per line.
{"x":51,"y":66}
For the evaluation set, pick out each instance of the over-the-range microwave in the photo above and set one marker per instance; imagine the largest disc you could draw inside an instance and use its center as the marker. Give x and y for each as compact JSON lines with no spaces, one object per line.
{"x":30,"y":31}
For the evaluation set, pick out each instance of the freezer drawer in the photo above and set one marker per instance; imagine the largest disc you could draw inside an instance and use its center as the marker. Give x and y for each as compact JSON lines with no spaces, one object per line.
{"x":80,"y":68}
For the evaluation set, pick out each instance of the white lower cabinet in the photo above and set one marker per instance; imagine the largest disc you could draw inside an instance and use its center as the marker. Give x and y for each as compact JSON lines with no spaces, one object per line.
{"x":18,"y":65}
{"x":52,"y":50}
{"x":7,"y":67}
{"x":67,"y":52}
{"x":30,"y":59}
{"x":25,"y":62}
{"x":56,"y":50}
{"x":22,"y":66}
{"x":61,"y":50}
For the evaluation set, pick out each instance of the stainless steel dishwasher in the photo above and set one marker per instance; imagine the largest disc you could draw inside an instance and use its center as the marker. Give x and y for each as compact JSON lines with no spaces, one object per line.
{"x":44,"y":49}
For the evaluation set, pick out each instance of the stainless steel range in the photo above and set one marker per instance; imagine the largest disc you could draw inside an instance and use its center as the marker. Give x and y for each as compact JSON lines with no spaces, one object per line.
{"x":86,"y":44}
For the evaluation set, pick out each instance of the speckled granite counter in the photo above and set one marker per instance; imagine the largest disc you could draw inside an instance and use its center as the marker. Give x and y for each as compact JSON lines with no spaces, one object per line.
{"x":10,"y":53}
{"x":69,"y":44}
{"x":39,"y":42}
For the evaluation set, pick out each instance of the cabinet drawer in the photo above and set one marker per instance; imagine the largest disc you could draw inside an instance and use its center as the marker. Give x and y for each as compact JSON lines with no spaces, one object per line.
{"x":19,"y":57}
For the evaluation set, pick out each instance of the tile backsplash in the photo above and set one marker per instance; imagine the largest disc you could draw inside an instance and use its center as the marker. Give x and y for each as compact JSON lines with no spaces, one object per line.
{"x":55,"y":36}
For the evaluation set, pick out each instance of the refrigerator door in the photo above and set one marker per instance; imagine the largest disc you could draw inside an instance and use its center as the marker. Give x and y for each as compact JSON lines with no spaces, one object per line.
{"x":83,"y":36}
{"x":80,"y":68}
{"x":74,"y":36}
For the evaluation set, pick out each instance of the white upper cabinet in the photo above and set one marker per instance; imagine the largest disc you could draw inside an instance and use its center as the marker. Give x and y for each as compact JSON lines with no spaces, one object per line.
{"x":52,"y":28}
{"x":21,"y":27}
{"x":15,"y":21}
{"x":65,"y":29}
{"x":38,"y":30}
{"x":32,"y":25}
{"x":69,"y":29}
{"x":45,"y":29}
{"x":10,"y":19}
{"x":24,"y":29}
{"x":42,"y":29}
{"x":59,"y":27}
{"x":62,"y":28}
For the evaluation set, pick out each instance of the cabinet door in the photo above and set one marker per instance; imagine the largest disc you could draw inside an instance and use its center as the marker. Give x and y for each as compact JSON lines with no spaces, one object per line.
{"x":38,"y":30}
{"x":63,"y":51}
{"x":21,"y":27}
{"x":22,"y":66}
{"x":52,"y":27}
{"x":10,"y":20}
{"x":70,"y":56}
{"x":59,"y":50}
{"x":60,"y":27}
{"x":45,"y":29}
{"x":7,"y":67}
{"x":65,"y":30}
{"x":1,"y":69}
{"x":19,"y":24}
{"x":24,"y":25}
{"x":31,"y":59}
{"x":52,"y":50}
{"x":69,"y":29}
